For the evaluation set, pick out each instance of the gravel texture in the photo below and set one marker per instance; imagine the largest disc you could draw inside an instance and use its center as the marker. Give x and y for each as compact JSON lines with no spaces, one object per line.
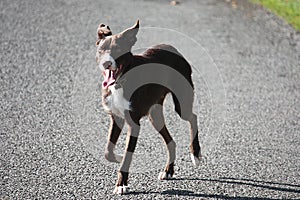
{"x":53,"y":129}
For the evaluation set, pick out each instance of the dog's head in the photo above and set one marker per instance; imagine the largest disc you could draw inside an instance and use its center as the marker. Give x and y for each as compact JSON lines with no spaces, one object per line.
{"x":111,"y":49}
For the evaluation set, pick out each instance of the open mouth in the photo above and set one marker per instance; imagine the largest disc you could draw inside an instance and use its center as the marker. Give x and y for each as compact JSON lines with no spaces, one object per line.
{"x":110,"y":76}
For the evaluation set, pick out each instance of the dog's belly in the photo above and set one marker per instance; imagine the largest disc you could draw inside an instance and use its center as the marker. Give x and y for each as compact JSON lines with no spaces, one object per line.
{"x":145,"y":97}
{"x":115,"y":103}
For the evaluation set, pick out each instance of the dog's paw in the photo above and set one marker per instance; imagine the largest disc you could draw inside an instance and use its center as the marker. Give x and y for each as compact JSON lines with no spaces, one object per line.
{"x":197,"y":160}
{"x":164,"y":176}
{"x":118,"y":157}
{"x":111,"y":157}
{"x":121,"y":189}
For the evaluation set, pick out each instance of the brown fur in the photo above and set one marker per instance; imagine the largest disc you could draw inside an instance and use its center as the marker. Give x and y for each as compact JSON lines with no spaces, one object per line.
{"x":144,"y":98}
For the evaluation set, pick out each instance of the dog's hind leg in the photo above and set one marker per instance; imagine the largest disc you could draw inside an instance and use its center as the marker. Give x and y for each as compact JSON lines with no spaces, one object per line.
{"x":194,"y":139}
{"x":115,"y":129}
{"x":157,"y":120}
{"x":185,"y":111}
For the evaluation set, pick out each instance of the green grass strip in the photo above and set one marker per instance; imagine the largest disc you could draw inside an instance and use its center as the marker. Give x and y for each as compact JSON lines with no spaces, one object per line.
{"x":288,"y":9}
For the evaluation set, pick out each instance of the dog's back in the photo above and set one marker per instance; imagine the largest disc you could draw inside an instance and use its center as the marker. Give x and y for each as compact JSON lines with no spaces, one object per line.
{"x":165,"y":66}
{"x":165,"y":55}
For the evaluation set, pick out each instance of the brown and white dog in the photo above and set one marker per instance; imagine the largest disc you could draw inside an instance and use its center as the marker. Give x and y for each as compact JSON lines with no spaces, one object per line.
{"x":135,"y":86}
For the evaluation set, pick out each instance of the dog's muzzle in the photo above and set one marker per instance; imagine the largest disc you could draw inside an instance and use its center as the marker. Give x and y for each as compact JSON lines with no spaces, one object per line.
{"x":110,"y":76}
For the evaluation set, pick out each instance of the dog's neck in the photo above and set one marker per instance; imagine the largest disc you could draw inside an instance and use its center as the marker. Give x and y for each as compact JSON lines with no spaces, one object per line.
{"x":129,"y":61}
{"x":126,"y":60}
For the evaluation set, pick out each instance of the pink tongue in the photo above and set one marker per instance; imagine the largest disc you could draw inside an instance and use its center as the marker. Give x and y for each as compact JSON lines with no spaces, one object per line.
{"x":109,"y":78}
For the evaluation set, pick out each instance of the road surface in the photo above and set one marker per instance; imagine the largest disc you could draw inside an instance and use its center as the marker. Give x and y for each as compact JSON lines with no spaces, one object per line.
{"x":246,"y":64}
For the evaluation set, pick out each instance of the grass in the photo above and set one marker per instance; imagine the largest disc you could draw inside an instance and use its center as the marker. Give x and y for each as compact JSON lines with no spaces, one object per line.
{"x":288,"y":9}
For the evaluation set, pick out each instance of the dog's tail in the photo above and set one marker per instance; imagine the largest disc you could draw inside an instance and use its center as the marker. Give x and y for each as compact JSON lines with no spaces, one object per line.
{"x":177,"y":104}
{"x":184,"y":105}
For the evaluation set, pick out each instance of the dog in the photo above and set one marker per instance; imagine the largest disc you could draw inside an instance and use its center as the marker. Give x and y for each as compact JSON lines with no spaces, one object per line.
{"x":135,"y":86}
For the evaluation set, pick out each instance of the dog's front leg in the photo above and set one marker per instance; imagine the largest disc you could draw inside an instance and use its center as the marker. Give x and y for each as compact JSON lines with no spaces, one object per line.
{"x":115,"y":129}
{"x":131,"y":140}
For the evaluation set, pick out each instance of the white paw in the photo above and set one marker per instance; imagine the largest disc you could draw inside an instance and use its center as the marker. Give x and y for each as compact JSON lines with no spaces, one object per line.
{"x":164,"y":176}
{"x":119,"y":158}
{"x":111,"y":157}
{"x":195,"y":160}
{"x":121,"y":190}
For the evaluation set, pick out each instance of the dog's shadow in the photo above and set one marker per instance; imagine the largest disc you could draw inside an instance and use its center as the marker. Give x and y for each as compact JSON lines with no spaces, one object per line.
{"x":281,"y":187}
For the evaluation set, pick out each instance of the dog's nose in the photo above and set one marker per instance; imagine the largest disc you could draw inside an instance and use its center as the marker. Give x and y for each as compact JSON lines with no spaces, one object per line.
{"x":107,"y":64}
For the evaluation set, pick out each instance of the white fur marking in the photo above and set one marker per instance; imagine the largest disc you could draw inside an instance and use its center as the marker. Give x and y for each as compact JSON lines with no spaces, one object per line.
{"x":118,"y":157}
{"x":121,"y":190}
{"x":116,"y":102}
{"x":110,"y":155}
{"x":195,"y":160}
{"x":171,"y":146}
{"x":164,"y":176}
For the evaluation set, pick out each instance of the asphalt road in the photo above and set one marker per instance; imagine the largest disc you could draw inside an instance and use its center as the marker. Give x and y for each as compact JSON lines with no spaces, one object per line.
{"x":246,"y":65}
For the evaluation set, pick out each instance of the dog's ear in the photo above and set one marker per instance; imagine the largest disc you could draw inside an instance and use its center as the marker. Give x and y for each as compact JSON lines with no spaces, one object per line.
{"x":103,"y":31}
{"x":130,"y":33}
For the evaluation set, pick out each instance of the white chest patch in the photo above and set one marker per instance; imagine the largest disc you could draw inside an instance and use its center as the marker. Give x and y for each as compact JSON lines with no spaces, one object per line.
{"x":116,"y":103}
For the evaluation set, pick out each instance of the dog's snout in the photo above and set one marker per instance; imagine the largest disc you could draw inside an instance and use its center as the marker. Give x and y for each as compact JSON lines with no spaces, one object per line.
{"x":107,"y":64}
